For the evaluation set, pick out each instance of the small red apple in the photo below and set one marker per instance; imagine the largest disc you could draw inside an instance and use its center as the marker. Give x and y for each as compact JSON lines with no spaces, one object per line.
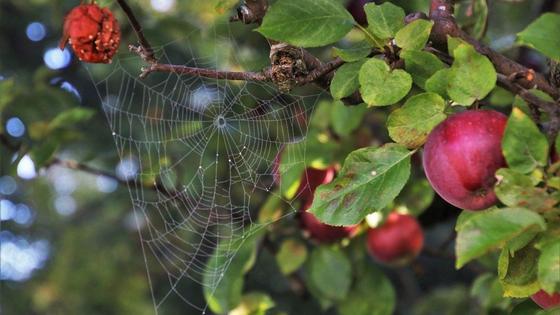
{"x":397,"y":241}
{"x":545,"y":300}
{"x":461,"y":156}
{"x":311,"y":179}
{"x":321,"y":232}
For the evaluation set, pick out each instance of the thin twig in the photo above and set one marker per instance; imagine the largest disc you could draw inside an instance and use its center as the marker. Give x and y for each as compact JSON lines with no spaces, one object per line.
{"x":77,"y":166}
{"x":445,"y":25}
{"x":322,"y":70}
{"x":441,"y":13}
{"x":207,"y":73}
{"x":145,"y":50}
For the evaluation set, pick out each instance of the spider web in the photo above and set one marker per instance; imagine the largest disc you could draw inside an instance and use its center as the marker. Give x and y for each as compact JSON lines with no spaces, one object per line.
{"x":208,"y":146}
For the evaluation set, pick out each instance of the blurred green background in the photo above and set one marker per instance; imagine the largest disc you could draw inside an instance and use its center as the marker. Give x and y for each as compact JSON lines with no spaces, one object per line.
{"x":69,"y":240}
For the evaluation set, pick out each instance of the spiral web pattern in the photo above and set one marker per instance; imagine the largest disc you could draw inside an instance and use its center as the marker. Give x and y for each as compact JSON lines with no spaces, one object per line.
{"x":209,"y":147}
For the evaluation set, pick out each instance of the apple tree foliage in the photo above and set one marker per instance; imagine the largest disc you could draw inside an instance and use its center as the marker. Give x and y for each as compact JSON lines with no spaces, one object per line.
{"x":518,"y":239}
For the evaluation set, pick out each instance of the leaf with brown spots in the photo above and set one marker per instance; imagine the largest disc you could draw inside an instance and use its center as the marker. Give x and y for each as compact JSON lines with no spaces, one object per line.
{"x":369,"y":180}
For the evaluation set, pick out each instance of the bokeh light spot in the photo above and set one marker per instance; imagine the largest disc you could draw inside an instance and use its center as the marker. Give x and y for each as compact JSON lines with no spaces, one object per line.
{"x":15,"y":127}
{"x":26,"y":168}
{"x":162,"y":5}
{"x":65,"y":205}
{"x":127,"y":169}
{"x":57,"y":59}
{"x":36,"y":31}
{"x":7,"y":185}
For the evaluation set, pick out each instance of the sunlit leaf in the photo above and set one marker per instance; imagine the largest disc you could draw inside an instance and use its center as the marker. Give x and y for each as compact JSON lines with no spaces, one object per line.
{"x":368,"y":181}
{"x":491,"y":229}
{"x":382,"y":86}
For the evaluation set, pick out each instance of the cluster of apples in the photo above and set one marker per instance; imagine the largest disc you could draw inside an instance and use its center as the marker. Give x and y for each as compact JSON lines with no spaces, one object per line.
{"x":397,"y":241}
{"x":461,"y":157}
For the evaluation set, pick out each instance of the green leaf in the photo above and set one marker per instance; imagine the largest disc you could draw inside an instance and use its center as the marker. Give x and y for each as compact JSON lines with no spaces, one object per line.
{"x":472,"y":76}
{"x":518,"y":272}
{"x":464,"y":217}
{"x":271,"y":210}
{"x":345,"y":80}
{"x":291,"y":255}
{"x":369,"y":180}
{"x":361,"y":301}
{"x":346,"y":119}
{"x":254,"y":303}
{"x":523,"y":145}
{"x":7,"y":88}
{"x":527,"y":307}
{"x":422,"y":66}
{"x":411,"y":124}
{"x":541,"y":35}
{"x":501,"y":97}
{"x":472,"y":16}
{"x":384,"y":20}
{"x":438,"y":82}
{"x":416,"y":196}
{"x":453,"y":43}
{"x":549,"y":266}
{"x":223,"y":286}
{"x":42,"y":152}
{"x":306,"y":23}
{"x":491,"y":229}
{"x":447,"y":300}
{"x":355,"y":52}
{"x":329,"y":272}
{"x":515,"y":189}
{"x":415,"y":35}
{"x":380,"y":86}
{"x":488,"y":290}
{"x":71,"y":117}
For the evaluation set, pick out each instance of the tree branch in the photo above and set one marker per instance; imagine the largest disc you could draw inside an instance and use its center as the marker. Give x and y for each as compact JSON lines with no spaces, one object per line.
{"x":444,"y":24}
{"x":77,"y":166}
{"x":207,"y":73}
{"x":441,"y":13}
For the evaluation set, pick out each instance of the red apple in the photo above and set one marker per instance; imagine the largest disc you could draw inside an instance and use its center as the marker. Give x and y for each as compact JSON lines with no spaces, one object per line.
{"x":356,"y":8}
{"x":461,"y":156}
{"x":311,"y":179}
{"x":545,"y":300}
{"x":321,"y":232}
{"x":397,"y":241}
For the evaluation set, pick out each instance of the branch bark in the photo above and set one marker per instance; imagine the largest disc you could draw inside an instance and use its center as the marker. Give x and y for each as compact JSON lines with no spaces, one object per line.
{"x":77,"y":166}
{"x":441,"y":13}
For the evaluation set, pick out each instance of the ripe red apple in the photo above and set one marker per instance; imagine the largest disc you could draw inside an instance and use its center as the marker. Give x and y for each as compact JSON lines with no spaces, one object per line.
{"x":397,"y":241}
{"x":461,"y":156}
{"x":545,"y":300}
{"x":356,"y":8}
{"x":311,"y":179}
{"x":321,"y":232}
